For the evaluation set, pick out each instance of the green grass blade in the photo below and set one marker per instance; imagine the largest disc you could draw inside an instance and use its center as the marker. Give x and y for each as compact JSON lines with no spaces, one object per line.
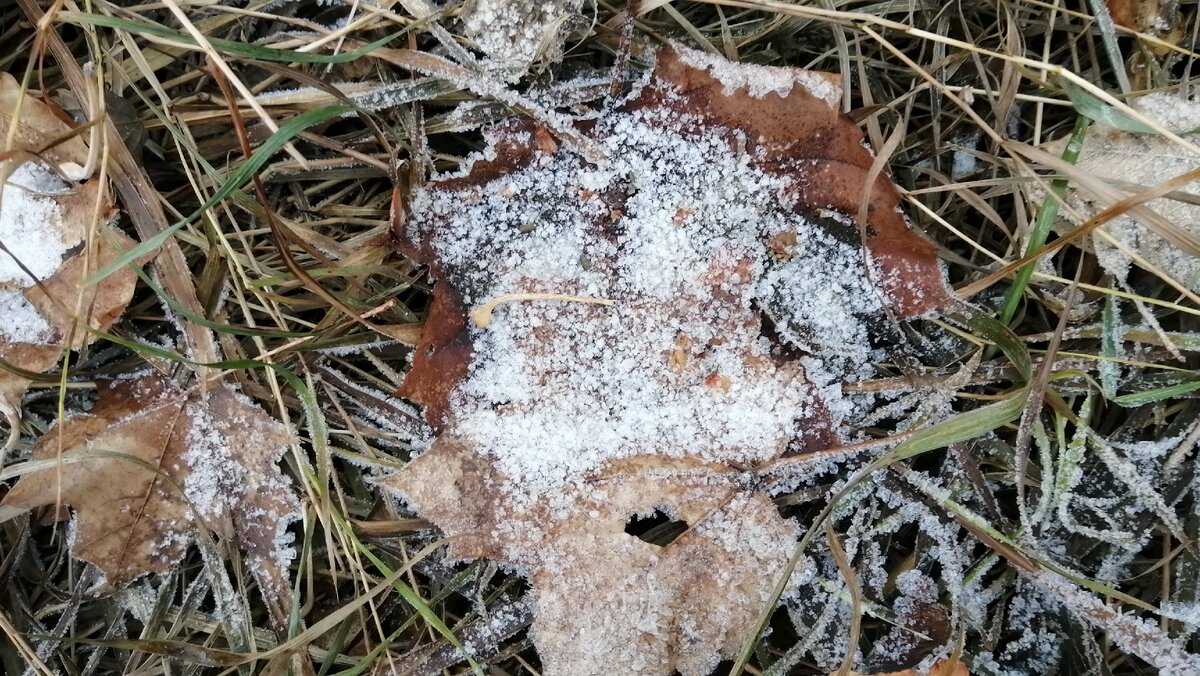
{"x":207,"y":323}
{"x":999,"y":334}
{"x":1110,"y":348}
{"x":1047,"y":214}
{"x":961,"y":427}
{"x":1093,"y":108}
{"x":1158,"y":393}
{"x":230,"y":47}
{"x":413,"y":599}
{"x":287,"y":131}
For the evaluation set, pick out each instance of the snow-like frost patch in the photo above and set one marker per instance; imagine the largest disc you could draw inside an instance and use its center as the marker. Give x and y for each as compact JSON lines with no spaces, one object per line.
{"x":758,"y":81}
{"x":31,"y":225}
{"x":695,"y":227}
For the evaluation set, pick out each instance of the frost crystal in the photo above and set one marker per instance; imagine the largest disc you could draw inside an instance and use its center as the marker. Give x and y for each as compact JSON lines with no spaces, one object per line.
{"x":1122,"y":162}
{"x":31,"y":228}
{"x":601,"y":390}
{"x":31,"y":225}
{"x":514,"y":32}
{"x":759,"y":81}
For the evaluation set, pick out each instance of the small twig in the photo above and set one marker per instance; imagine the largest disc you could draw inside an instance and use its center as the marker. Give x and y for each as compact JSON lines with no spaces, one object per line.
{"x":482,"y":315}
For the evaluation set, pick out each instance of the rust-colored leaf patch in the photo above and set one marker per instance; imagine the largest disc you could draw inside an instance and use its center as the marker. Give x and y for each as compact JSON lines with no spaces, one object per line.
{"x":613,"y":341}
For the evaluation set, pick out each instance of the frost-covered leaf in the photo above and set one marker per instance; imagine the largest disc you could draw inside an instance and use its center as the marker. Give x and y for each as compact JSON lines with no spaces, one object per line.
{"x":513,"y":33}
{"x":151,"y":464}
{"x":46,"y":227}
{"x":611,"y":341}
{"x":1126,"y":163}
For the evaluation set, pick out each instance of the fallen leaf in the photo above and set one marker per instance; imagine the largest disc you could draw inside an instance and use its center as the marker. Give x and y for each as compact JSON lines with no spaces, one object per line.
{"x":1165,"y":232}
{"x":648,"y":331}
{"x":38,"y":129}
{"x":1162,"y":24}
{"x":949,"y":667}
{"x":151,"y":464}
{"x":51,"y":246}
{"x":1159,"y":18}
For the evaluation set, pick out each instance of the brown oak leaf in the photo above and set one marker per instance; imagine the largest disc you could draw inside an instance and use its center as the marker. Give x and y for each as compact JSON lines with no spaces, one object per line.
{"x":50,"y":245}
{"x":151,"y":464}
{"x":39,"y":128}
{"x":609,"y":341}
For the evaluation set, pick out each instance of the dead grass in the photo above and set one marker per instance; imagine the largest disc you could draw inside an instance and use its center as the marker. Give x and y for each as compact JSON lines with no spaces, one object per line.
{"x":960,"y":86}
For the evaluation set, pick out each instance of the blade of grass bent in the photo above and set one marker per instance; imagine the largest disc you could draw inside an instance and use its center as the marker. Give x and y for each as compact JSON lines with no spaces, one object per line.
{"x":1093,"y":108}
{"x":961,"y":427}
{"x":1158,"y":394}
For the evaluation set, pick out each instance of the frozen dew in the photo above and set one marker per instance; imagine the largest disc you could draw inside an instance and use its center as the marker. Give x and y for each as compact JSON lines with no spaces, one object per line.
{"x":33,"y":234}
{"x":1136,"y":635}
{"x":22,"y":322}
{"x":212,"y":467}
{"x":514,"y":32}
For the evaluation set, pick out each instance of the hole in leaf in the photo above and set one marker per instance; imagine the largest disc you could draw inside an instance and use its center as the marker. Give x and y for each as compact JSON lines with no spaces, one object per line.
{"x":657,"y":529}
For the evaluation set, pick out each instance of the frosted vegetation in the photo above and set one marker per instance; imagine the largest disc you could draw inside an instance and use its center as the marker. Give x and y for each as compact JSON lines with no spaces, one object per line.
{"x":693,"y":231}
{"x":689,"y":406}
{"x":561,"y":387}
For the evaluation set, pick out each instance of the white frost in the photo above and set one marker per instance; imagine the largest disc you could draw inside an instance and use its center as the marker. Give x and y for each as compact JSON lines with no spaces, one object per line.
{"x":31,"y":225}
{"x":32,"y":231}
{"x":514,"y":32}
{"x":759,"y":81}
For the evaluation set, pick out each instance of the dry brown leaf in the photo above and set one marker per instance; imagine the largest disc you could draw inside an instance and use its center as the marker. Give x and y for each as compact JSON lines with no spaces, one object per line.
{"x":1114,"y":164}
{"x":949,"y":667}
{"x":46,"y":225}
{"x":1162,"y":21}
{"x":34,"y":358}
{"x":151,"y":464}
{"x":38,"y":128}
{"x":738,"y":295}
